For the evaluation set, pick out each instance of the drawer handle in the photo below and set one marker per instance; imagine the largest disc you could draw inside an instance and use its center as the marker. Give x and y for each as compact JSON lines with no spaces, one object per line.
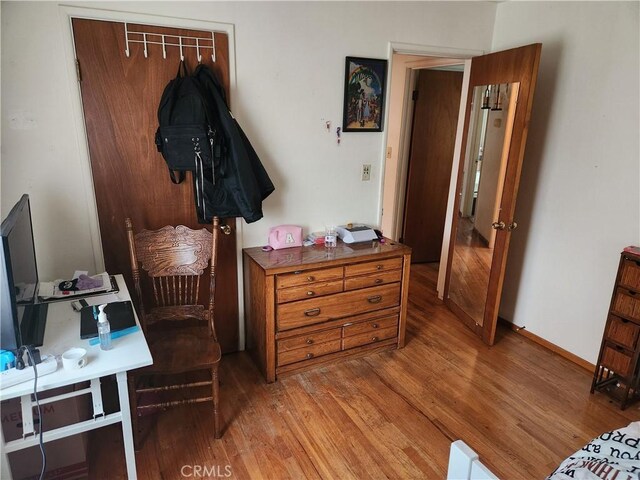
{"x":378,"y":280}
{"x":375,"y":299}
{"x":379,"y":267}
{"x":312,"y":312}
{"x":311,"y":293}
{"x":637,"y":263}
{"x":374,"y":325}
{"x":633,"y":294}
{"x":310,"y":278}
{"x":374,"y":339}
{"x":297,"y":272}
{"x":309,"y":355}
{"x":309,"y":341}
{"x":619,"y":348}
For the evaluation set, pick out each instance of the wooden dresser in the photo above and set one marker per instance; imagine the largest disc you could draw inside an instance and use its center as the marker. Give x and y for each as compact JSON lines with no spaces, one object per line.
{"x":310,"y":305}
{"x":618,"y":370}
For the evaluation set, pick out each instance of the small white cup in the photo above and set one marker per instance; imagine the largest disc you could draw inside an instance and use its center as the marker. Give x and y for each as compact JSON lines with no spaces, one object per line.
{"x":74,"y":358}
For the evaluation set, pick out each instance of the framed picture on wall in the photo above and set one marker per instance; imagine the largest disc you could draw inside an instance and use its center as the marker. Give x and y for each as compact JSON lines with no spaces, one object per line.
{"x":364,"y":90}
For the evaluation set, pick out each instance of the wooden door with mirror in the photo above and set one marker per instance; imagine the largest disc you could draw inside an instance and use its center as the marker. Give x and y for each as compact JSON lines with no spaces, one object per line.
{"x":120,"y":97}
{"x":499,"y":102}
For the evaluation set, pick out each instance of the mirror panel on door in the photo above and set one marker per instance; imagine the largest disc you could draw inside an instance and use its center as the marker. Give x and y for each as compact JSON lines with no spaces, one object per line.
{"x":489,"y":138}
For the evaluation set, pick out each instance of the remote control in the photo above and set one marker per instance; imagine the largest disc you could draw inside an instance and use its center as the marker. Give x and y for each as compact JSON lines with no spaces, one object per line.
{"x":11,"y":377}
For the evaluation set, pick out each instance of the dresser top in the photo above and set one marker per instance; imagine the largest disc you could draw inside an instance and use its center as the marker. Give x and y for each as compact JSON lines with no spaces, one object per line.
{"x":286,"y":259}
{"x":632,"y":251}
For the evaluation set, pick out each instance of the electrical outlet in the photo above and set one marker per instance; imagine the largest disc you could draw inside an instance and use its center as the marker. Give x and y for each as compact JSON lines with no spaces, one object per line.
{"x":366,"y":172}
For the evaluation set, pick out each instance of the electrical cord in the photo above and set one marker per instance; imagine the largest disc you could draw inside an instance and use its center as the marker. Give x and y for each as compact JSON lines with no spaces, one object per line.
{"x":35,"y":395}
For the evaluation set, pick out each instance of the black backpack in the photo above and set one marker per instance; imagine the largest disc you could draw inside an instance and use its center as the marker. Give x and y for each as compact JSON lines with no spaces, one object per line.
{"x":187,"y":136}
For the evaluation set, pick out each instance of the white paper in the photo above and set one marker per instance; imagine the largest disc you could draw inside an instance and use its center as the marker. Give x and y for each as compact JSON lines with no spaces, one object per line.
{"x":77,"y":273}
{"x":50,"y":289}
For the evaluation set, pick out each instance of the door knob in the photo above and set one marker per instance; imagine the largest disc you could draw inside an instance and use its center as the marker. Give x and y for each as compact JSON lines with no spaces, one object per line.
{"x":512,"y":226}
{"x":226,"y":229}
{"x":498,"y":225}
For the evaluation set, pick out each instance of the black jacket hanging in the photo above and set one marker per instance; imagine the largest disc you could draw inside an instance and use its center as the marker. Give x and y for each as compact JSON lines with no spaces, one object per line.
{"x":239,"y":185}
{"x":228,"y":177}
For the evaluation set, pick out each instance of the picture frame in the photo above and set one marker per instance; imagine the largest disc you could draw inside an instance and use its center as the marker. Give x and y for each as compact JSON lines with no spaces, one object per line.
{"x":364,"y":92}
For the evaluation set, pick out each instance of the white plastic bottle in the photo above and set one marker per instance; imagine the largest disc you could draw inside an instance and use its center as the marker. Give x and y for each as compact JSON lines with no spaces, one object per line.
{"x":104,"y":329}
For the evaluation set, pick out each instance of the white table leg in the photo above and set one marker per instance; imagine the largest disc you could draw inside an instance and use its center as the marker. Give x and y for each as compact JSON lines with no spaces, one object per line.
{"x":127,"y":429}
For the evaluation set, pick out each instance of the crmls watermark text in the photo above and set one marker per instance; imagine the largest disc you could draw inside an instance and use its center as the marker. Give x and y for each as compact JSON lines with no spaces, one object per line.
{"x":204,"y":471}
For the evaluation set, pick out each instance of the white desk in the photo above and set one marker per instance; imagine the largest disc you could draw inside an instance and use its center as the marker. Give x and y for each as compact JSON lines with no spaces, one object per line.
{"x":63,"y":332}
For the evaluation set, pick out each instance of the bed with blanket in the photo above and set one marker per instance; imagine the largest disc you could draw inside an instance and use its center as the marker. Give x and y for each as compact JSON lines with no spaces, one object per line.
{"x":613,"y":455}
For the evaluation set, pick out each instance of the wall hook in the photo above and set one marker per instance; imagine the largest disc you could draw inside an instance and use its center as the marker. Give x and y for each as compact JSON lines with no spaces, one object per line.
{"x":144,"y":42}
{"x":126,"y":41}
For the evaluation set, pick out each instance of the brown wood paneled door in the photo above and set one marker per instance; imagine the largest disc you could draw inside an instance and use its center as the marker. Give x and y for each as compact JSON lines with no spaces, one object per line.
{"x":433,"y":136}
{"x":120,"y":96}
{"x":507,"y":77}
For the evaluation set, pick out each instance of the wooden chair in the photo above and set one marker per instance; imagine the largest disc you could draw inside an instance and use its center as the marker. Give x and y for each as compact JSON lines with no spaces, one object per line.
{"x":180,"y":333}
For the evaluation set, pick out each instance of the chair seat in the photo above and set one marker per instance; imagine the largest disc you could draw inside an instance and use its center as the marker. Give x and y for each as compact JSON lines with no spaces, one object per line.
{"x":179,"y":351}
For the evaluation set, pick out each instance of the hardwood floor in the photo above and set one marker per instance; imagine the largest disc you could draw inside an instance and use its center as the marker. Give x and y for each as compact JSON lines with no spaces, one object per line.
{"x":387,"y":415}
{"x":470,"y":270}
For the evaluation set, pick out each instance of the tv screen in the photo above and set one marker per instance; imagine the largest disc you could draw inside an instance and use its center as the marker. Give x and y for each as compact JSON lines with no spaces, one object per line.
{"x":19,"y":272}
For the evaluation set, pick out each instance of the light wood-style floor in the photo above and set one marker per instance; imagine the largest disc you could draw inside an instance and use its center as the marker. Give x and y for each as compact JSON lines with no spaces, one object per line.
{"x":470,"y":270}
{"x":388,"y":415}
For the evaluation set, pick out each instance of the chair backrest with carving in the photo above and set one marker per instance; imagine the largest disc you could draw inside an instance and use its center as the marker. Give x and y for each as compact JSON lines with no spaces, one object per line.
{"x":174,"y":259}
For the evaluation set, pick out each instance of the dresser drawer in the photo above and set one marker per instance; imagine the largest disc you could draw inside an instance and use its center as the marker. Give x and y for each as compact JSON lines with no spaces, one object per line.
{"x":316,"y":310}
{"x":623,"y":332}
{"x":618,"y":360}
{"x":369,"y":337}
{"x":305,"y":341}
{"x":306,"y":277}
{"x":373,"y":279}
{"x":312,"y":290}
{"x":370,"y":326}
{"x":373,"y":267}
{"x":630,"y":276}
{"x":627,"y":303}
{"x":308,"y":352}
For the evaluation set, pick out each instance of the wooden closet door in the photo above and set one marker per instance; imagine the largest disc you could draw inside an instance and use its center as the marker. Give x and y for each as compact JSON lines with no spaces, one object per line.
{"x":120,"y":97}
{"x":435,"y":119}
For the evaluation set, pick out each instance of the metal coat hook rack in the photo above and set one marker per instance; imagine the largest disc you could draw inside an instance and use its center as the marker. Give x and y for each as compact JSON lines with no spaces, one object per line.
{"x":167,"y":40}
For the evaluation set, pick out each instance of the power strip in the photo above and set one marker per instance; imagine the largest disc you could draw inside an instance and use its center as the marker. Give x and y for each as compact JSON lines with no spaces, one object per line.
{"x":11,"y":377}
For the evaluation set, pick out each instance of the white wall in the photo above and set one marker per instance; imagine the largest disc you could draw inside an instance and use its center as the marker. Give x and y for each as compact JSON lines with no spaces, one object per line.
{"x":290,"y":75}
{"x":491,"y":174}
{"x":579,"y":200}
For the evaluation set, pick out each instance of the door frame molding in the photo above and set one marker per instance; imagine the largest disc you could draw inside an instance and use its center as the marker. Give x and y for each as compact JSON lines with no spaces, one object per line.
{"x":66,"y":14}
{"x":401,"y":171}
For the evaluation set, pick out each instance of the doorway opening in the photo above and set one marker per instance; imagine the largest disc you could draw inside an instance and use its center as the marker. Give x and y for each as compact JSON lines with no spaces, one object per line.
{"x":511,"y":75}
{"x":426,"y":109}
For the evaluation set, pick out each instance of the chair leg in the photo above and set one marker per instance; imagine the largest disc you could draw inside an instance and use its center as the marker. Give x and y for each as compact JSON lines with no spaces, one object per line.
{"x":133,"y":402}
{"x":216,"y":401}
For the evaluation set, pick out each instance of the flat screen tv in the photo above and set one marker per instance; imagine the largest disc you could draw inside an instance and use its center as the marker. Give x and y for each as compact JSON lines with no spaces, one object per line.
{"x":19,"y":276}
